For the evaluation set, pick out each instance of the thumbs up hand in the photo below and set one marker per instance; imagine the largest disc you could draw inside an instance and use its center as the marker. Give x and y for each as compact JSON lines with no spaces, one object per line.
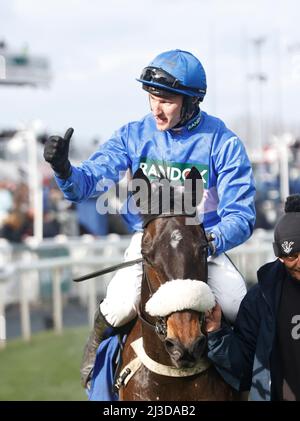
{"x":56,"y":152}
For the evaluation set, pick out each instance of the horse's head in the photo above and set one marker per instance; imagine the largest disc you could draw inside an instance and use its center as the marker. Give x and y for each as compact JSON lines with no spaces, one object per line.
{"x":174,"y":291}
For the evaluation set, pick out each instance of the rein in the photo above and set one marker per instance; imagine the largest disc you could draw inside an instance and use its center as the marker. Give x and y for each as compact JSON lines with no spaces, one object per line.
{"x":108,"y":270}
{"x":123,"y":265}
{"x":130,"y":262}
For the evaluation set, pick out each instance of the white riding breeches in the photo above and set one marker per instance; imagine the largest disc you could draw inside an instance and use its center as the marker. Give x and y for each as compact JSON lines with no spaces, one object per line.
{"x":124,"y":290}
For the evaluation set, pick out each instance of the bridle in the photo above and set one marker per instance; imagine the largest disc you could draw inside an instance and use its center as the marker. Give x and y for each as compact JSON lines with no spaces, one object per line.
{"x":159,"y":325}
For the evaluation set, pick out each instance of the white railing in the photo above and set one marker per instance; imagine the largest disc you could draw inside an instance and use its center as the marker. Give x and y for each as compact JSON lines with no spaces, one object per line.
{"x":55,"y":266}
{"x":20,"y":277}
{"x":250,"y":256}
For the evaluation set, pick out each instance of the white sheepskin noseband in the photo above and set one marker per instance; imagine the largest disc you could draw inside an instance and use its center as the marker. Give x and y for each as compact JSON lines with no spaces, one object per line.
{"x":180,"y":294}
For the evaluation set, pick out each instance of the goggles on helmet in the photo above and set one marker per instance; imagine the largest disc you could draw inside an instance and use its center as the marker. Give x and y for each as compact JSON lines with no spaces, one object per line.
{"x":160,"y":76}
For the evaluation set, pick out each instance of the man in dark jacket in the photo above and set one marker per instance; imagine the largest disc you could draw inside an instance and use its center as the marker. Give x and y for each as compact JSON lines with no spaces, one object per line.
{"x":262,"y":352}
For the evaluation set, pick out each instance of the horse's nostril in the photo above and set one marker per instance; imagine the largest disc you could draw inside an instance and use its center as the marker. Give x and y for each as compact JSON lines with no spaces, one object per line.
{"x":185,"y":356}
{"x":174,"y":349}
{"x":169,"y":344}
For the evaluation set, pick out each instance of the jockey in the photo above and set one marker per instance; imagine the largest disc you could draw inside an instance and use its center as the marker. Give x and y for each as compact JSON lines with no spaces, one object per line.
{"x":180,"y":135}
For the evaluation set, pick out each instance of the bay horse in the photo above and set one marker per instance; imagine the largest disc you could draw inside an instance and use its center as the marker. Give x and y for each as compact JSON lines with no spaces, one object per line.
{"x":165,"y":354}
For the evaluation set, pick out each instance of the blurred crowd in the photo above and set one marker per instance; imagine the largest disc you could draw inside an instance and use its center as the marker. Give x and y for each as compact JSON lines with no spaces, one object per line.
{"x":269,"y":204}
{"x":59,"y":215}
{"x":63,"y":217}
{"x":16,"y":218}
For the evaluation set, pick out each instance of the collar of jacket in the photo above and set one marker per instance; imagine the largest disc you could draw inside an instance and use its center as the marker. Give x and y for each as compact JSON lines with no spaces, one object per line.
{"x":189,"y":125}
{"x":270,"y":278}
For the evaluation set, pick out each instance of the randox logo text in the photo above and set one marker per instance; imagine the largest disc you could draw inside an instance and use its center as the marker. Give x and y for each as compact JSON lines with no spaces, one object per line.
{"x":174,"y":171}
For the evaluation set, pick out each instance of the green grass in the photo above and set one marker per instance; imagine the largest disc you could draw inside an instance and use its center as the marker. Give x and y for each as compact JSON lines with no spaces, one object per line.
{"x":46,"y":368}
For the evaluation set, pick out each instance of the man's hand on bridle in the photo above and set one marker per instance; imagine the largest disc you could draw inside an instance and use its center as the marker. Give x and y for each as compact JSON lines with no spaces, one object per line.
{"x":213,"y":318}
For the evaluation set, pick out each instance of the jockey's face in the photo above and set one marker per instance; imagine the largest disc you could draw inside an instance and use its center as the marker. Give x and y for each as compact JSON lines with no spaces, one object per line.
{"x":292,"y":264}
{"x":166,"y":111}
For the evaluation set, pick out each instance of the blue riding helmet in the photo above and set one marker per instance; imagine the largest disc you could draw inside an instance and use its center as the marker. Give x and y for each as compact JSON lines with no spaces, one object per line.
{"x":176,"y":71}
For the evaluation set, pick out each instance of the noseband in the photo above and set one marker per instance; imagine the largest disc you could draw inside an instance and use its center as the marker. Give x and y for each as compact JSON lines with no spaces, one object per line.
{"x":159,"y":325}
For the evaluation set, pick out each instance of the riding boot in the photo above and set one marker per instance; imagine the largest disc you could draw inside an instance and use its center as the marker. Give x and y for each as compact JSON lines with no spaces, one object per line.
{"x":90,"y":350}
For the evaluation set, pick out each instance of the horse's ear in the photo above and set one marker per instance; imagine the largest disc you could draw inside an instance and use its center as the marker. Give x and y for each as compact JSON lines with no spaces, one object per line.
{"x":194,"y":174}
{"x":139,"y":174}
{"x":141,"y":191}
{"x":193,"y":186}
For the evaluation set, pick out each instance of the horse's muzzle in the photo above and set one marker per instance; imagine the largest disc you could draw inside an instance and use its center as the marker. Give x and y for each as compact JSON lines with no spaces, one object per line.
{"x":185,"y":356}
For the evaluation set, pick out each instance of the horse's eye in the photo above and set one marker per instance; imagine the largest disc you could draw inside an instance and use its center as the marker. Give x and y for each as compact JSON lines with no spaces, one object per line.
{"x":144,"y":252}
{"x":147,"y":240}
{"x":146,"y":257}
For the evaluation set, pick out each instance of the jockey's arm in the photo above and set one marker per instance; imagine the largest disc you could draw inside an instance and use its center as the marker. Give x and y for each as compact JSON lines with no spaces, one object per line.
{"x":109,"y":163}
{"x":236,"y":191}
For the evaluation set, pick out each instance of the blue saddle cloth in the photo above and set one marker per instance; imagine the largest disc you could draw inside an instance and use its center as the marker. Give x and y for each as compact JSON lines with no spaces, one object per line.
{"x":104,"y":369}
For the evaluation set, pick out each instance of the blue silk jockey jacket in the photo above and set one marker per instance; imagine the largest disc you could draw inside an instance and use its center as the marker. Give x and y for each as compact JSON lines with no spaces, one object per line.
{"x":227,"y":209}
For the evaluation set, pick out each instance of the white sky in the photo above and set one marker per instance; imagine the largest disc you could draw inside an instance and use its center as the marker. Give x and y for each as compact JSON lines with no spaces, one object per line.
{"x":97,"y":49}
